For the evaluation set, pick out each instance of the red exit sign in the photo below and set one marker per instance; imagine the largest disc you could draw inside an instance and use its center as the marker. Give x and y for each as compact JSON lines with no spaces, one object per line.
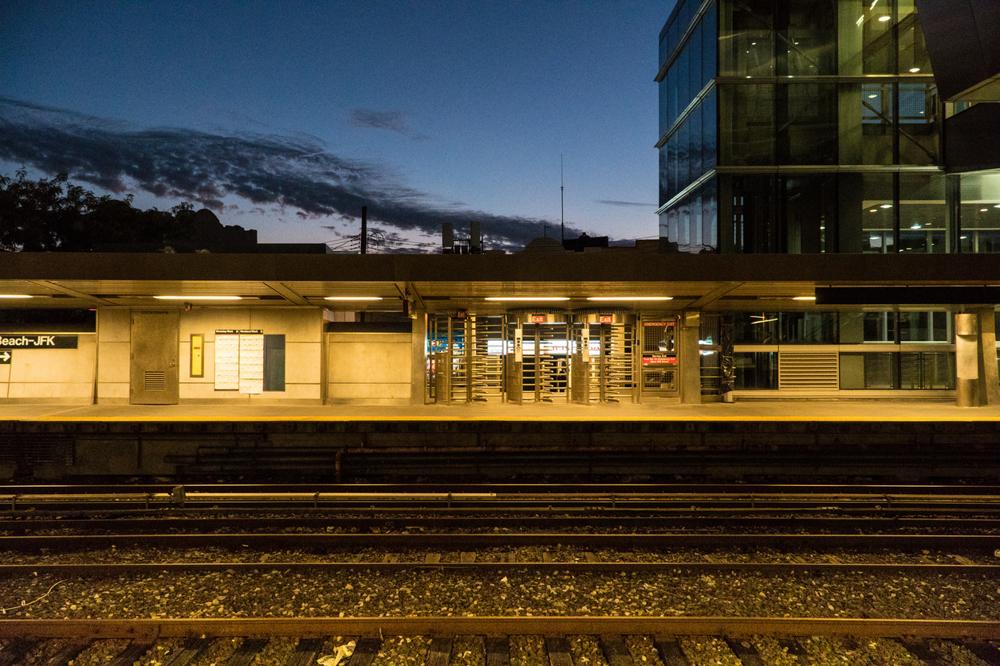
{"x":539,"y":318}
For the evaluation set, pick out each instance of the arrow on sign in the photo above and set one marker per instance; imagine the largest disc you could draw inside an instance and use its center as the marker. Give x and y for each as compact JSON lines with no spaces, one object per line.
{"x":5,"y":356}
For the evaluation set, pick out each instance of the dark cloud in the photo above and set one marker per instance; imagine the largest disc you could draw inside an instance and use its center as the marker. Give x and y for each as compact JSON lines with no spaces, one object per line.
{"x":393,"y":121}
{"x":634,"y":204}
{"x":267,"y":171}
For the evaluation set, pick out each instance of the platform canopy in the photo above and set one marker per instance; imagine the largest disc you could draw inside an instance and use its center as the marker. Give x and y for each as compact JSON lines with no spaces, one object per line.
{"x":621,"y":278}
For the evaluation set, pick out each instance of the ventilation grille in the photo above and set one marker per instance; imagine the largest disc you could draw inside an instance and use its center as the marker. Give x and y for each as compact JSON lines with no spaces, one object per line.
{"x":808,"y":370}
{"x":154,"y":380}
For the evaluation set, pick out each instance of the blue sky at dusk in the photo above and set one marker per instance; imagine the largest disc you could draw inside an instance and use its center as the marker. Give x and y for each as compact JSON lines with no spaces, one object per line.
{"x":283,"y":116}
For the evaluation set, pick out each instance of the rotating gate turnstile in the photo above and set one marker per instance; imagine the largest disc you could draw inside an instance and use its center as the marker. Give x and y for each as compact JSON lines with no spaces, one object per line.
{"x":534,"y":358}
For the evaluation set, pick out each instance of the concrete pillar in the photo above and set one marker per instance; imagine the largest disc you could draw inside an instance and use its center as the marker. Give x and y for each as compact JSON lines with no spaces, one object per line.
{"x":418,"y":359}
{"x":690,"y":358}
{"x":967,"y":358}
{"x":989,"y":382}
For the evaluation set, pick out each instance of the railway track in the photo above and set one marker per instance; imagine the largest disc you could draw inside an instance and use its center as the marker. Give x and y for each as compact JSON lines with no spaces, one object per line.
{"x":494,"y":638}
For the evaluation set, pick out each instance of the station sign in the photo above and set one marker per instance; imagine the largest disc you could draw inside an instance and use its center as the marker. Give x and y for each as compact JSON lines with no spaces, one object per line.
{"x":37,"y":341}
{"x":5,"y":356}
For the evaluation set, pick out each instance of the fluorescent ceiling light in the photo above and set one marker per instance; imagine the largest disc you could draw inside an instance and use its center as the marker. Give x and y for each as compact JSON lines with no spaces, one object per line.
{"x":352,"y":298}
{"x":630,"y":298}
{"x":527,"y":298}
{"x":885,"y":205}
{"x":884,"y":18}
{"x":198,"y":298}
{"x":984,"y":210}
{"x":803,"y":298}
{"x":914,"y":70}
{"x":763,"y":321}
{"x":16,"y":296}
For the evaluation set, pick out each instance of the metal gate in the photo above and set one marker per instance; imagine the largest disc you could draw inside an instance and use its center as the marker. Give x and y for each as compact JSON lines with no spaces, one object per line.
{"x":660,"y":371}
{"x":467,"y":358}
{"x":545,"y":359}
{"x":153,"y":359}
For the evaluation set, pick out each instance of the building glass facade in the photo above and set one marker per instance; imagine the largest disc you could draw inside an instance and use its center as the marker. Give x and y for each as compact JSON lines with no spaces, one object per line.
{"x":805,"y":126}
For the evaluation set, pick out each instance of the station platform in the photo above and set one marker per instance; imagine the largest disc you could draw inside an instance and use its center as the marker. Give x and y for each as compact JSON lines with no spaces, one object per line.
{"x":842,"y":411}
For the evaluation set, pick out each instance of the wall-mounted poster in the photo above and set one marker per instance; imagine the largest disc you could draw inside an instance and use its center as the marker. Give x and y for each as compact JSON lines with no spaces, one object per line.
{"x":251,"y":363}
{"x":239,"y":361}
{"x":227,"y":361}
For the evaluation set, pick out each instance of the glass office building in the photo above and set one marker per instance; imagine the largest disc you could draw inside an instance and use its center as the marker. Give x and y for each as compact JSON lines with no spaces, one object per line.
{"x":808,"y":126}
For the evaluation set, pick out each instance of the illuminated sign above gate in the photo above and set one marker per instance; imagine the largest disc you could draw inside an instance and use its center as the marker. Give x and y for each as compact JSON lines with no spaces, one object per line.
{"x":37,"y":341}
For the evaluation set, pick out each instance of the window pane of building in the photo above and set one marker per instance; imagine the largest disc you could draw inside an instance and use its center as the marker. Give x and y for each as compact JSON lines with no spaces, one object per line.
{"x":709,"y":217}
{"x":755,"y":370}
{"x":807,"y":122}
{"x":918,"y":123}
{"x":878,"y":49}
{"x":810,"y":212}
{"x":922,"y":213}
{"x":877,"y":215}
{"x":913,"y":57}
{"x":709,"y":131}
{"x":867,"y":123}
{"x":746,"y":38}
{"x":808,"y":327}
{"x":927,"y":370}
{"x":980,"y":212}
{"x":924,"y":327}
{"x":747,"y":131}
{"x":709,"y":45}
{"x":807,"y":37}
{"x":755,"y":328}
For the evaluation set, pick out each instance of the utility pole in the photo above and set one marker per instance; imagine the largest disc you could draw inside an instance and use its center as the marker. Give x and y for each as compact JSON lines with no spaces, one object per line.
{"x":364,"y":230}
{"x":562,"y":207}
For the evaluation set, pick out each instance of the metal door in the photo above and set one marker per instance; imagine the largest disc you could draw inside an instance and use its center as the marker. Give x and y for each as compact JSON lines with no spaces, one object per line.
{"x":660,"y":376}
{"x":546,"y":369}
{"x":153,"y":371}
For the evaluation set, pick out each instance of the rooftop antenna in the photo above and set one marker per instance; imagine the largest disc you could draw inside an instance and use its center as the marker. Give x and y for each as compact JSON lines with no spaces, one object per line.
{"x":562,"y":221}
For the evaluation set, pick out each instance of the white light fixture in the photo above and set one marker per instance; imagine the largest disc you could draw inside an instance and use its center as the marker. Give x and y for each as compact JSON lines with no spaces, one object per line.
{"x":352,"y":298}
{"x":803,"y":298}
{"x":996,"y":205}
{"x":914,"y":70}
{"x":872,"y":95}
{"x":763,"y":321}
{"x":198,"y":298}
{"x":13,"y":296}
{"x":916,"y":225}
{"x":630,"y":298}
{"x":884,"y":18}
{"x":527,"y":298}
{"x":984,"y":210}
{"x":873,"y":210}
{"x":885,"y":205}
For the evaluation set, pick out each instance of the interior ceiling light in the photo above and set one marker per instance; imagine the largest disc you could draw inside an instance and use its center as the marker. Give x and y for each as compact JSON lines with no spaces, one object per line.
{"x":198,"y":298}
{"x":873,"y":210}
{"x":763,"y":321}
{"x":886,"y":205}
{"x":16,"y":296}
{"x":630,"y":298}
{"x":526,"y":298}
{"x":984,"y":210}
{"x":996,"y":205}
{"x":803,"y":298}
{"x":914,"y":70}
{"x":883,"y":18}
{"x":872,"y":95}
{"x":352,"y":298}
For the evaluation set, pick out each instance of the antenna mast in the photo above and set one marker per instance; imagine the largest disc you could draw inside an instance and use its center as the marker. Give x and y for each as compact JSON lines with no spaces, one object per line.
{"x":562,"y":206}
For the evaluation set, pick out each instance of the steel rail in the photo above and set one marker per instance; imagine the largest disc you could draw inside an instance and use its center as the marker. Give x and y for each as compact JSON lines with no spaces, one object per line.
{"x":782,"y":568}
{"x":517,"y":488}
{"x":30,"y":523}
{"x":151,"y":629}
{"x":964,"y":542}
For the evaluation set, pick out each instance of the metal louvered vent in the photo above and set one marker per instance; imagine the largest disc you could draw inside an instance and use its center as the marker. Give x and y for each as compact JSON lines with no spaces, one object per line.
{"x":808,"y":370}
{"x":154,"y":380}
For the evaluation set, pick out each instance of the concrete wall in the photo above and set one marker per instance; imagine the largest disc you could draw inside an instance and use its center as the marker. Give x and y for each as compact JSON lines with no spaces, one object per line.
{"x":302,"y":328}
{"x":372,"y":368}
{"x":51,"y":375}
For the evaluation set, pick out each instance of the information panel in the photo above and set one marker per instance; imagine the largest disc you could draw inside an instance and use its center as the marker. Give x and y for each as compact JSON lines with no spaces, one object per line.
{"x":251,"y":363}
{"x":227,"y":361}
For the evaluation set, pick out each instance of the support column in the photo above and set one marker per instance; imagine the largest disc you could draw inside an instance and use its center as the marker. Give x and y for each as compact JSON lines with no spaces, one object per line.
{"x":418,"y":359}
{"x":989,"y":382}
{"x":967,"y":358}
{"x":690,"y":358}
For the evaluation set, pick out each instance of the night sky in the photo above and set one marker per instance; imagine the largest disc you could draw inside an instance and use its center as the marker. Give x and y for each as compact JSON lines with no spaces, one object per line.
{"x":286,"y":116}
